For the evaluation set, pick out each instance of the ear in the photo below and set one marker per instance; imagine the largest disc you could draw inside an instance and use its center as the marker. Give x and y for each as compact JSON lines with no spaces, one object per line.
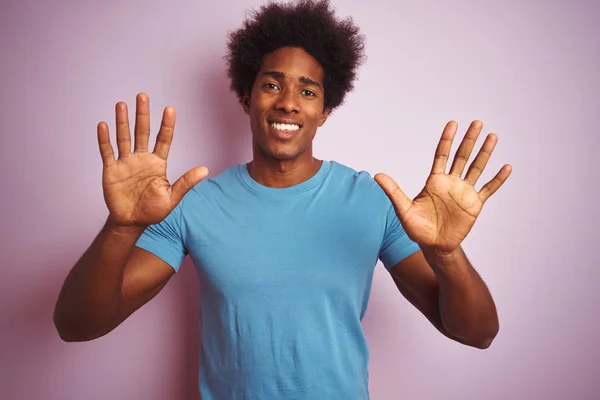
{"x":324,"y":116}
{"x":246,"y":102}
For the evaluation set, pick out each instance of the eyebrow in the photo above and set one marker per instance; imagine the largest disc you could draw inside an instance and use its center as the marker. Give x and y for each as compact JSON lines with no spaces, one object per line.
{"x":302,"y":79}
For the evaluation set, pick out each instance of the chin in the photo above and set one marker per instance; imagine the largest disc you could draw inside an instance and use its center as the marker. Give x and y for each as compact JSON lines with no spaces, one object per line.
{"x":283,"y":153}
{"x":281,"y":150}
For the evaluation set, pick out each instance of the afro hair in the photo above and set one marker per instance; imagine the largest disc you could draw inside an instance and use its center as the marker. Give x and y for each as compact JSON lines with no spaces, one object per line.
{"x":308,"y":24}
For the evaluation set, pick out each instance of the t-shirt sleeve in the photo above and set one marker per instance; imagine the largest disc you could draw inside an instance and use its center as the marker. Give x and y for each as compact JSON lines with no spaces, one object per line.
{"x":396,"y":244}
{"x":165,"y":239}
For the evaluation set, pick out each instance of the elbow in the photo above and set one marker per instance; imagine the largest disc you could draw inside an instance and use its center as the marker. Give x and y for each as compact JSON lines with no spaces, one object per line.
{"x":61,"y":327}
{"x":479,"y":336}
{"x":483,"y":343}
{"x":485,"y":339}
{"x":65,"y":333}
{"x":70,"y":336}
{"x":71,"y":332}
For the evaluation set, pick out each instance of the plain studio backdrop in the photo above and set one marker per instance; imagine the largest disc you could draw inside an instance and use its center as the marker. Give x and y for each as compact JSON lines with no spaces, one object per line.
{"x":527,"y":69}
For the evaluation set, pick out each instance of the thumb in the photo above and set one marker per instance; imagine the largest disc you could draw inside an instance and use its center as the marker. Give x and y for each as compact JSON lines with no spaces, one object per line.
{"x":186,"y":182}
{"x":399,"y":200}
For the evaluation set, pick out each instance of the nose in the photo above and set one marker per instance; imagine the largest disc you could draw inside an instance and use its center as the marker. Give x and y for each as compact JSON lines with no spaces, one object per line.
{"x":288,"y":101}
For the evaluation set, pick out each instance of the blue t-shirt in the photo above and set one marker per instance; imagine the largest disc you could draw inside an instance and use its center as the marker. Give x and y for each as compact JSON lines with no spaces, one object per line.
{"x":285,"y":277}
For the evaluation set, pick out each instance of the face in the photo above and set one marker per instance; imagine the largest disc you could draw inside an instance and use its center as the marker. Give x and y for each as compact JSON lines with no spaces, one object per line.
{"x":286,"y":104}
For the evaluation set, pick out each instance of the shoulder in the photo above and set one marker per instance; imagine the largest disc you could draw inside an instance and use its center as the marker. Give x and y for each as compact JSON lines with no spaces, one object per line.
{"x":356,"y":184}
{"x":225,"y":178}
{"x":211,"y":189}
{"x":357,"y":180}
{"x":217,"y":184}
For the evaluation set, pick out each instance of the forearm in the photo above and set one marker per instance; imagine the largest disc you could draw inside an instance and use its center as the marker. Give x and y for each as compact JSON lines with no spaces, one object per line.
{"x":91,"y":293}
{"x":467,"y":309}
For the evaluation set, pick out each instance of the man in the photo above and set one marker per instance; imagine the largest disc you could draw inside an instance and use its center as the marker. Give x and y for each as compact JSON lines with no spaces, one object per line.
{"x":285,"y":246}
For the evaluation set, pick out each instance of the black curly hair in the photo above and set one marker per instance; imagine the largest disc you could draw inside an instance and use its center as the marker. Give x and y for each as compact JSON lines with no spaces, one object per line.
{"x":308,"y":24}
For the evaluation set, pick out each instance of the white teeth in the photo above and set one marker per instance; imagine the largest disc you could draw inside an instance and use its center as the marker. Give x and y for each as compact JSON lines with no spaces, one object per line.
{"x":285,"y":127}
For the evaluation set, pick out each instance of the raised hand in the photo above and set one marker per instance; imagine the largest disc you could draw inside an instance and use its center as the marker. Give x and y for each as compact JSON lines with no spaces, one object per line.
{"x":443,"y":213}
{"x":136,"y":189}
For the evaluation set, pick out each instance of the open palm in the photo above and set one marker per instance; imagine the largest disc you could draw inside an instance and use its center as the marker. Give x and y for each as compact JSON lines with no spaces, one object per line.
{"x":444,"y":212}
{"x":136,"y":189}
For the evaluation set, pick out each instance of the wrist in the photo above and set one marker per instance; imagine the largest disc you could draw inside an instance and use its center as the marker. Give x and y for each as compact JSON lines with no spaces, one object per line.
{"x":123,"y":230}
{"x":444,"y":261}
{"x":442,"y":254}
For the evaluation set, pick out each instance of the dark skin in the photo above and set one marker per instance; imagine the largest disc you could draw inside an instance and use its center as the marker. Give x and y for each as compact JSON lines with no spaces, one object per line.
{"x":113,"y":278}
{"x":438,"y":280}
{"x":450,"y":293}
{"x":289,"y":89}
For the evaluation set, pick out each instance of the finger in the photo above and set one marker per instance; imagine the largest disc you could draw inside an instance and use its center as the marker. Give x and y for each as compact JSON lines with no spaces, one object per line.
{"x":465,"y":149}
{"x":165,"y":135}
{"x":443,"y":149}
{"x":481,"y":160}
{"x":186,"y":182}
{"x":142,"y":122}
{"x":123,"y":133}
{"x":106,"y":150}
{"x":493,"y":185}
{"x":399,"y":200}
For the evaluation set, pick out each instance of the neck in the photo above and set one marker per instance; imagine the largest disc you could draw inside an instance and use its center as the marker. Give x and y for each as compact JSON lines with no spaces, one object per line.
{"x":276,"y":173}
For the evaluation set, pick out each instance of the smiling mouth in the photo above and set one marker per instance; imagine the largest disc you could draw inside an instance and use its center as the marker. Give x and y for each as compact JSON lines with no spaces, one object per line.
{"x":284,"y":127}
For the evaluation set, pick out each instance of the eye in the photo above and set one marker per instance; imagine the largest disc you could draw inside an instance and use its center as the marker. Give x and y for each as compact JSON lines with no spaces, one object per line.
{"x":271,"y":86}
{"x":309,"y":93}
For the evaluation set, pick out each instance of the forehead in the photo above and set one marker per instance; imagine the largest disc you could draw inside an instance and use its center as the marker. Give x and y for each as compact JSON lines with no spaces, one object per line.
{"x":293,"y":62}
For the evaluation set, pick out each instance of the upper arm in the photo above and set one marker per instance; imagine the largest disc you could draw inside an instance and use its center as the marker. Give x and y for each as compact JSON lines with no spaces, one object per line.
{"x":143,"y":278}
{"x":418,"y":284}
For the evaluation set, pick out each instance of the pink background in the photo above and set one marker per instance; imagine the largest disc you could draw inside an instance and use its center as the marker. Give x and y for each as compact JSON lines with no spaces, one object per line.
{"x":528,"y":69}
